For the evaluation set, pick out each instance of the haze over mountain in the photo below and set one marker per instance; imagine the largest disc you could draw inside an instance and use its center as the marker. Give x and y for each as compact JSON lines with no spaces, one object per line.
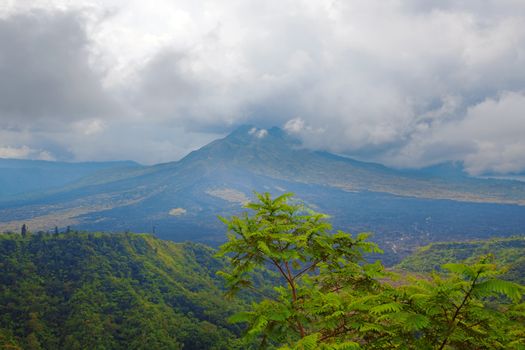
{"x":181,"y":200}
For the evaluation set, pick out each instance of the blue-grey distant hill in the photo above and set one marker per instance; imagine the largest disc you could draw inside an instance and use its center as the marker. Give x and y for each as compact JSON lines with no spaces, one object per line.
{"x":181,"y":200}
{"x":19,"y":176}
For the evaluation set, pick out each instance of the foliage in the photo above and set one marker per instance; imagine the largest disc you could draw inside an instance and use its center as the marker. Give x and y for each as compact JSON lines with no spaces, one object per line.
{"x":102,"y":291}
{"x":310,"y":288}
{"x":329,"y":297}
{"x":321,"y":272}
{"x":469,"y":308}
{"x":509,"y":254}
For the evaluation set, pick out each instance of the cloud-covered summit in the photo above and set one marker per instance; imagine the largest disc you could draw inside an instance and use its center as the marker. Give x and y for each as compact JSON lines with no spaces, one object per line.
{"x":408,"y":83}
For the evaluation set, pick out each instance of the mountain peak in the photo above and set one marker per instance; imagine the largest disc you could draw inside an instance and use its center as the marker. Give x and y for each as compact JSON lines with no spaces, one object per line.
{"x":245,"y":143}
{"x":247,"y":134}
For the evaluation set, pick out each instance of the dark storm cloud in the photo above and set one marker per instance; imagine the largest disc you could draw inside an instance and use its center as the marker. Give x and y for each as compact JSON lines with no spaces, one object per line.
{"x":45,"y":73}
{"x":168,"y":89}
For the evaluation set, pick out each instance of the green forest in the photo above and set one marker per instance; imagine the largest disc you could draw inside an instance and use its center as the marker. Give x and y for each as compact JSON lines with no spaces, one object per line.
{"x":111,"y":291}
{"x":283,"y":280}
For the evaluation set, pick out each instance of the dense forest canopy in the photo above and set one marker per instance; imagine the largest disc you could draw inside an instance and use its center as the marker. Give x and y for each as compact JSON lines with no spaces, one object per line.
{"x":103,"y":291}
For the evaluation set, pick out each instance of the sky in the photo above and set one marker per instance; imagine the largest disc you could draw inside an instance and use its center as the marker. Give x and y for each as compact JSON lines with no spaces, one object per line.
{"x":407,"y":83}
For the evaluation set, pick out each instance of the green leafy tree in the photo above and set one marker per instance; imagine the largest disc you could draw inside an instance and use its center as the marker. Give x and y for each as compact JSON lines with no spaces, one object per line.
{"x":320,"y":272}
{"x":470,"y":308}
{"x":327,"y":296}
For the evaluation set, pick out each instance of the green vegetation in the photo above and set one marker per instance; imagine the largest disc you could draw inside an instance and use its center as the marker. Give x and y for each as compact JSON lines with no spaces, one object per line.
{"x":509,"y":254}
{"x":329,"y":297}
{"x":309,"y":288}
{"x":102,"y":291}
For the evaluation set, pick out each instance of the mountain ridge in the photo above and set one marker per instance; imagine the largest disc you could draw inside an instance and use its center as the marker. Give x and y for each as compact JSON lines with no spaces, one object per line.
{"x":21,"y":176}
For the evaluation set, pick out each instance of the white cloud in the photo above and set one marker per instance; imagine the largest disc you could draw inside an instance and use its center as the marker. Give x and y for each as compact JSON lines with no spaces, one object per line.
{"x":294,"y":126}
{"x":488,"y":139}
{"x":258,"y":133}
{"x":261,"y":133}
{"x":497,"y":126}
{"x":24,"y":152}
{"x":13,"y":152}
{"x":90,"y":126}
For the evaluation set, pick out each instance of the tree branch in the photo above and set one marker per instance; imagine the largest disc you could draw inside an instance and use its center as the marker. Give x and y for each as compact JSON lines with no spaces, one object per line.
{"x":281,"y":270}
{"x":452,"y":326}
{"x":305,"y":270}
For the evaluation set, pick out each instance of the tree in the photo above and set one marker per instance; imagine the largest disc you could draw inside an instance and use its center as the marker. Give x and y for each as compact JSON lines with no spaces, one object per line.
{"x":326,"y":296}
{"x":468,"y":308}
{"x":319,"y":271}
{"x":23,"y":231}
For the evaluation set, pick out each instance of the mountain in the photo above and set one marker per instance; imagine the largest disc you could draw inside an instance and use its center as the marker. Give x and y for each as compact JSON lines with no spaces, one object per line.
{"x":19,"y":176}
{"x":508,"y":252}
{"x":119,"y":291}
{"x":181,"y":200}
{"x":448,"y":170}
{"x":279,"y":156}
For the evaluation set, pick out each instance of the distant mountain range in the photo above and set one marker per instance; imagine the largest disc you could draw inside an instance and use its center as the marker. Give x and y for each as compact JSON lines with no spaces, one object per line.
{"x":20,"y":176}
{"x":181,"y":200}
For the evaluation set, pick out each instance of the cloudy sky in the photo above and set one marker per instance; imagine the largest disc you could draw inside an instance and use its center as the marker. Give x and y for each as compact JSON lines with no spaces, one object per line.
{"x":404,"y":82}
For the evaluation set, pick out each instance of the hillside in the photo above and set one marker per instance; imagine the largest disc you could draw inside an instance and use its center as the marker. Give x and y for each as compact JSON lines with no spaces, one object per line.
{"x":100,"y":291}
{"x":508,"y":252}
